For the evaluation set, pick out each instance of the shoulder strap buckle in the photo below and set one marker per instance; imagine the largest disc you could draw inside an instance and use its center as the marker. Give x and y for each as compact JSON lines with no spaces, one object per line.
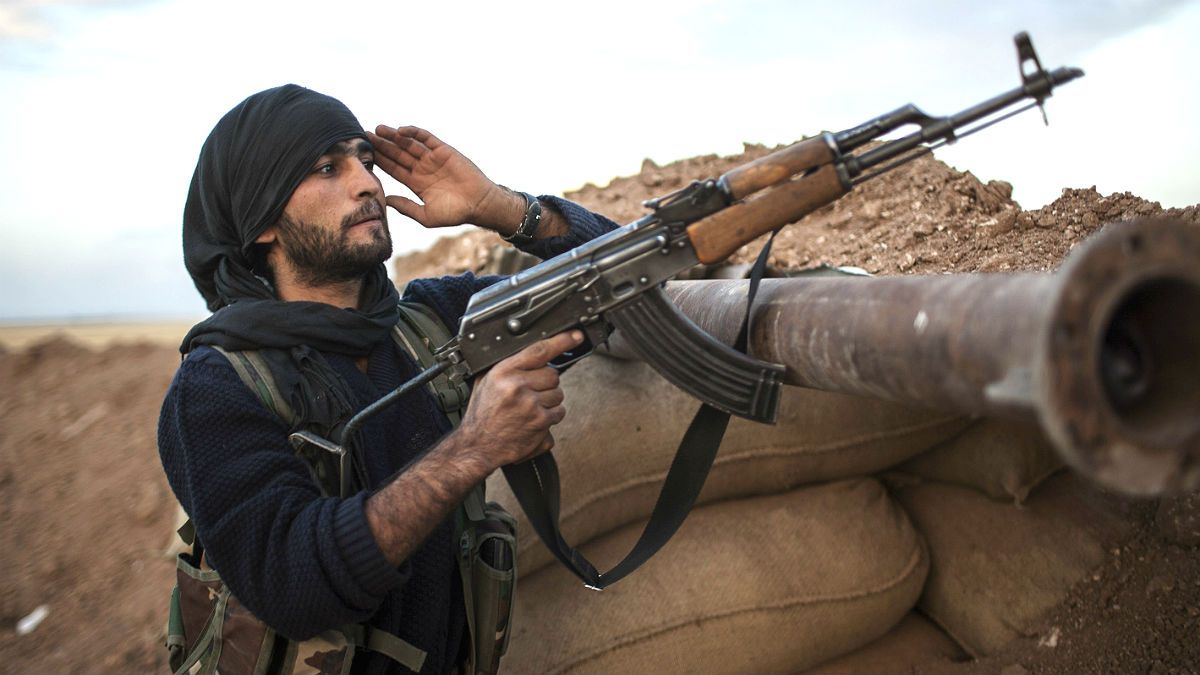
{"x":419,"y":332}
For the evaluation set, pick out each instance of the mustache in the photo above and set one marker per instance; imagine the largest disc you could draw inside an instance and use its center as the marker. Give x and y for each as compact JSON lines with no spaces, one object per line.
{"x":368,"y":211}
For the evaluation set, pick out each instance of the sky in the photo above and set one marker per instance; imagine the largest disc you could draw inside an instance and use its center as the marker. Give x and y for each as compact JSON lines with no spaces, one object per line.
{"x":107,"y":102}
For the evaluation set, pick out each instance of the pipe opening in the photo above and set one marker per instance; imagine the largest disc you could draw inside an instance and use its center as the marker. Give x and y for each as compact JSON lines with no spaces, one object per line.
{"x":1150,"y":361}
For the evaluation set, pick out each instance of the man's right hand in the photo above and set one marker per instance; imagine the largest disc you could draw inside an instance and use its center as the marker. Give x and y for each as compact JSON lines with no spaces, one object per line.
{"x":508,"y":420}
{"x":514,"y":404}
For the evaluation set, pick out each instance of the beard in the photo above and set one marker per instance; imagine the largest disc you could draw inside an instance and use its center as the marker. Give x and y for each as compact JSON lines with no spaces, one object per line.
{"x":321,"y":257}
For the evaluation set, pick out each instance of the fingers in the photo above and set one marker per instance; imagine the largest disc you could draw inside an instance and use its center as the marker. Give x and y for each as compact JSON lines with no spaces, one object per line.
{"x":407,"y":207}
{"x":541,"y":379}
{"x":552,"y":416}
{"x":391,"y":166}
{"x":546,"y":445}
{"x":551,"y":398}
{"x":396,"y":150}
{"x":406,"y":145}
{"x":538,"y":354}
{"x":408,"y":132}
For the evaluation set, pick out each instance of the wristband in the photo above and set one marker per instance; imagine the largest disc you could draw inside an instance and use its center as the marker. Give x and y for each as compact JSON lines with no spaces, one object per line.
{"x":528,"y":227}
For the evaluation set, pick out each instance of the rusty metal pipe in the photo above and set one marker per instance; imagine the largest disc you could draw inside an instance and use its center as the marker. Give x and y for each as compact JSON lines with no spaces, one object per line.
{"x":1104,"y":353}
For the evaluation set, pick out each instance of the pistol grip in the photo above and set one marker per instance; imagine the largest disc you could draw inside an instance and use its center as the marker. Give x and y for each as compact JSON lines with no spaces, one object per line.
{"x":696,"y":362}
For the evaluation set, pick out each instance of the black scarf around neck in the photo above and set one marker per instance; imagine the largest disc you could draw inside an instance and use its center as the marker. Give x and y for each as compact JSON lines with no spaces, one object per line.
{"x":253,"y":160}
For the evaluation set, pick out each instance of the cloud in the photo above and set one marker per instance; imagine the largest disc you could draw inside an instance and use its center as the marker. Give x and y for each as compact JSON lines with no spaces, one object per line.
{"x":18,"y":21}
{"x":36,"y":25}
{"x":30,"y":19}
{"x":601,"y":87}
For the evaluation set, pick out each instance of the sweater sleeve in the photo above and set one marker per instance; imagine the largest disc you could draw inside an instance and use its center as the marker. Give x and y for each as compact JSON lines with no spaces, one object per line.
{"x":301,"y":562}
{"x":448,"y":296}
{"x":583,"y":226}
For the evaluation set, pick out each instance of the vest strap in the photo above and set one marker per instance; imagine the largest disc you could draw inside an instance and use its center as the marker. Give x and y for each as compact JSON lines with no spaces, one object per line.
{"x":383,"y":642}
{"x":419,"y":332}
{"x":253,"y":370}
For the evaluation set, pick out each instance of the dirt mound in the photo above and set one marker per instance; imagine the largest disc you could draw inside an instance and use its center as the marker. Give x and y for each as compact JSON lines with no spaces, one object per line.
{"x":85,"y":511}
{"x":922,"y":218}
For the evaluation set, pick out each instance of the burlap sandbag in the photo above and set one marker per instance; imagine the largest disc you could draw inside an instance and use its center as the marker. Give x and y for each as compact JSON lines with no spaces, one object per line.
{"x":995,"y":567}
{"x":913,"y":646}
{"x":624,"y":424}
{"x":1003,"y":459}
{"x":767,"y":584}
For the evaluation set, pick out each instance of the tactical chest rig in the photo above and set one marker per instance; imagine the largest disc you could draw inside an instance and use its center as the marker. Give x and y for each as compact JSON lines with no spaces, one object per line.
{"x":209,"y":631}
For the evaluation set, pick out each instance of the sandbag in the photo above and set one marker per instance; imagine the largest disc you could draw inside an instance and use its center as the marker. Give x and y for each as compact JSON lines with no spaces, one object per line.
{"x":767,"y":584}
{"x":624,"y":424}
{"x":911,"y":647}
{"x":1003,"y":459}
{"x":995,"y":567}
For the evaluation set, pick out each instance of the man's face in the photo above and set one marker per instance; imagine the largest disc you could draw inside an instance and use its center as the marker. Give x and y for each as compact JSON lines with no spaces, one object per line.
{"x":334,"y":227}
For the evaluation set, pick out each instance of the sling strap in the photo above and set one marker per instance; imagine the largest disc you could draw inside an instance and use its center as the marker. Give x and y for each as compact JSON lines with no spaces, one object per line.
{"x":535,"y":482}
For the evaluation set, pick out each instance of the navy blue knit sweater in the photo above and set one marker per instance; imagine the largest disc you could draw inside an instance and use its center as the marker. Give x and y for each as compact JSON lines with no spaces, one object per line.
{"x":301,"y":562}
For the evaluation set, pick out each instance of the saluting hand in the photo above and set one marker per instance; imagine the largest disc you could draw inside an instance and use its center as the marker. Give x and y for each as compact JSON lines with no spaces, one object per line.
{"x":453,"y":189}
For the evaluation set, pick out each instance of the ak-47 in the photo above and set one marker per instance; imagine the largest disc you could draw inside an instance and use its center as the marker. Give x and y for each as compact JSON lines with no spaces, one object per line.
{"x":614,"y":281}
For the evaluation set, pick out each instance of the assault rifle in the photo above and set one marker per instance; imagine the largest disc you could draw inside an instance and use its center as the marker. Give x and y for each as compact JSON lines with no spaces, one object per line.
{"x":615,"y":282}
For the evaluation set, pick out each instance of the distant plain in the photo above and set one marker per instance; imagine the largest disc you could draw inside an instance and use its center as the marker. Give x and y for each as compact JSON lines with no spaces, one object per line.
{"x":94,"y":335}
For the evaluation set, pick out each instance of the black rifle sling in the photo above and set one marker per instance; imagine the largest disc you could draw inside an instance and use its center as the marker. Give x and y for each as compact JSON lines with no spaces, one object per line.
{"x":536,"y":486}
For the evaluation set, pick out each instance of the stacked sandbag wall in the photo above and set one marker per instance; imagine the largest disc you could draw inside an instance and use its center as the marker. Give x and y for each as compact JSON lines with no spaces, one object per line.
{"x":762,"y":584}
{"x":852,"y":532}
{"x":995,"y":566}
{"x":793,"y":556}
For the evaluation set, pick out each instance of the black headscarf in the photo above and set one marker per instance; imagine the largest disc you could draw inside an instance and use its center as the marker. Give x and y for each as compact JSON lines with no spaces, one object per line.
{"x":249,"y":166}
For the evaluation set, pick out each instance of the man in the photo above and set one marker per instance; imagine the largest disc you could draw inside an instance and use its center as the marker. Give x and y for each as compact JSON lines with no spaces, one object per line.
{"x":285,"y":235}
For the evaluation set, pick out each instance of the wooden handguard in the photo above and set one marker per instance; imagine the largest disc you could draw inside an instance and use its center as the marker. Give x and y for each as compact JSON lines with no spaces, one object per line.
{"x":722,"y":233}
{"x":778,"y":166}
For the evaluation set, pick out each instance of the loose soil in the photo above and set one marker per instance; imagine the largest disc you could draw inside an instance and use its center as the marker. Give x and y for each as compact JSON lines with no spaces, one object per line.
{"x":86,"y":517}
